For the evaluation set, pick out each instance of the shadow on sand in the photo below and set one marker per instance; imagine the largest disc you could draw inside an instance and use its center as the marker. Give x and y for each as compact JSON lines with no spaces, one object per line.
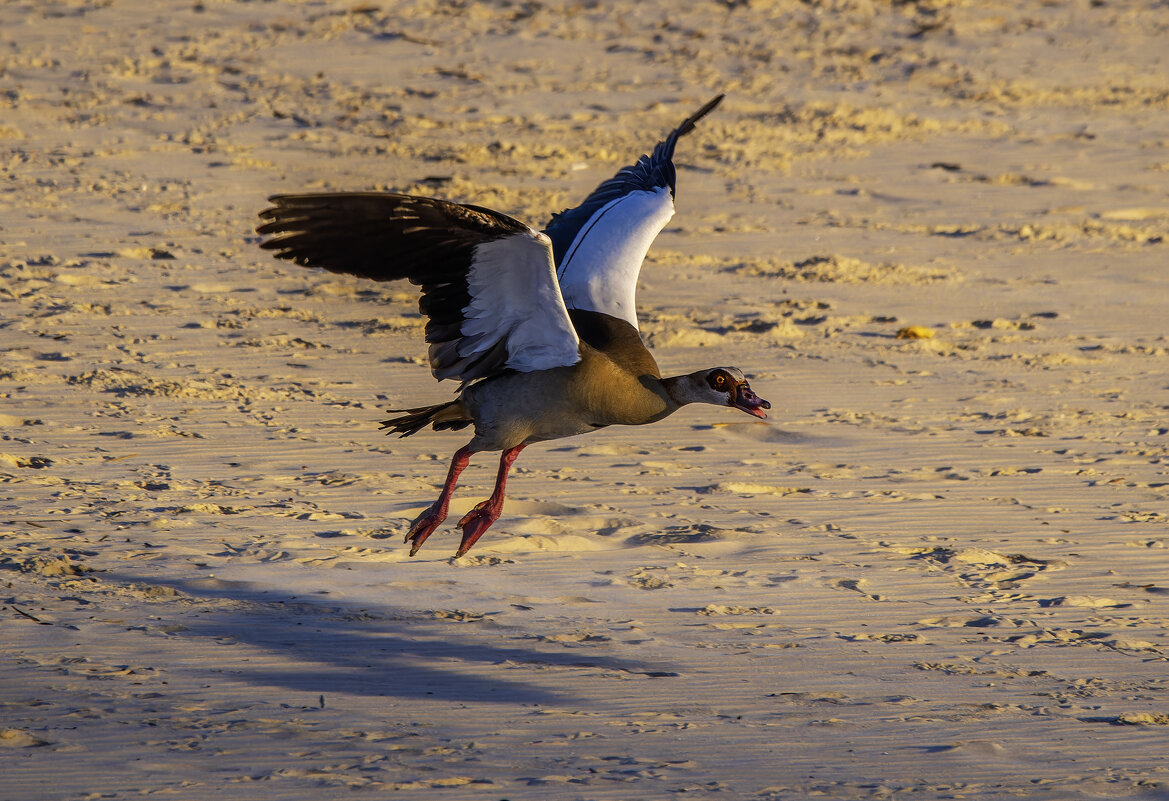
{"x":311,"y":645}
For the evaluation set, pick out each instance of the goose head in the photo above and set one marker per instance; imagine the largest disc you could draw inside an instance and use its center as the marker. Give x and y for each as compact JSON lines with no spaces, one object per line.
{"x":720,"y":386}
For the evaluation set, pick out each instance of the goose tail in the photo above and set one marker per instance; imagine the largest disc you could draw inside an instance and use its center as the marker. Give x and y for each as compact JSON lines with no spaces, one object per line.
{"x":441,"y":416}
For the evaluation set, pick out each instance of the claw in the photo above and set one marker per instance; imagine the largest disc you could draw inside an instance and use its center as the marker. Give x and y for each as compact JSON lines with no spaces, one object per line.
{"x":424,"y":525}
{"x":476,"y":522}
{"x":479,"y":519}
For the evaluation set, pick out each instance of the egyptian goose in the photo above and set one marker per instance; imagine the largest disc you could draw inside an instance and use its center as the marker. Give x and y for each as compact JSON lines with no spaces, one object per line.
{"x":540,"y":328}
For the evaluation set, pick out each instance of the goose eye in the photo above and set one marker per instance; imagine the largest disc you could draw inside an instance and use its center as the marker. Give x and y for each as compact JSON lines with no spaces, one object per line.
{"x":720,"y":381}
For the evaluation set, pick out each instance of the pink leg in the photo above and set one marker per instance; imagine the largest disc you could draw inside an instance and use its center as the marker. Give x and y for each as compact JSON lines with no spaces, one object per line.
{"x":425,"y":524}
{"x":479,"y":519}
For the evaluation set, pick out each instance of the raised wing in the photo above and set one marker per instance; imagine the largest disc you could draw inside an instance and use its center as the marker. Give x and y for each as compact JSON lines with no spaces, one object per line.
{"x":599,"y":245}
{"x":488,"y":283}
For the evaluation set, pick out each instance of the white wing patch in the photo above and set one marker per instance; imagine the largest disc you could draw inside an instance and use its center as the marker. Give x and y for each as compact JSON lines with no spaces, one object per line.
{"x":516,"y":302}
{"x":600,"y":268}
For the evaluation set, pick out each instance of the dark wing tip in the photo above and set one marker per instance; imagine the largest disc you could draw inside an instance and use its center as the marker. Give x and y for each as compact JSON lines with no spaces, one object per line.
{"x":688,"y":124}
{"x":649,"y":172}
{"x":663,"y":153}
{"x":276,"y":219}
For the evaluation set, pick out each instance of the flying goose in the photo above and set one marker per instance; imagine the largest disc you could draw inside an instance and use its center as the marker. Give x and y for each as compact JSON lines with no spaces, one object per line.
{"x":540,"y":328}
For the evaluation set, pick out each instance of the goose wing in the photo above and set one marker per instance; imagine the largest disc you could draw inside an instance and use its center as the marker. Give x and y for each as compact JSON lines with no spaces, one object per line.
{"x":488,"y":283}
{"x":599,"y":245}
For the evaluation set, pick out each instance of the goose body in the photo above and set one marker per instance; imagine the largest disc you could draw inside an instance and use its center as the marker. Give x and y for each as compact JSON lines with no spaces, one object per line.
{"x":540,"y":327}
{"x":618,"y":384}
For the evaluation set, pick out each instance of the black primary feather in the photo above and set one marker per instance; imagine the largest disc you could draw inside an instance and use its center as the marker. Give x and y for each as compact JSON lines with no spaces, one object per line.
{"x":386,"y":236}
{"x":649,"y":173}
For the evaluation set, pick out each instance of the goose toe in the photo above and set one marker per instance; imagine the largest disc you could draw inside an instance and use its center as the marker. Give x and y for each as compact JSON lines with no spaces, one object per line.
{"x":424,"y":525}
{"x":476,"y":522}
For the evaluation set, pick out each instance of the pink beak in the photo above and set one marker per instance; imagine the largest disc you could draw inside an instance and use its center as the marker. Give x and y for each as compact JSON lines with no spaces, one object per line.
{"x":749,"y":402}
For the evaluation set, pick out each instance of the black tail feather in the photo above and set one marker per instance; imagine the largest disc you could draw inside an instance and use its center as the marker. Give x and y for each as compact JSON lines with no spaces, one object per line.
{"x":414,"y":420}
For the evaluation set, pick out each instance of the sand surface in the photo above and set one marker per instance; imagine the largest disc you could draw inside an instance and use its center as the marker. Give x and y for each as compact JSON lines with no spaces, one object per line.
{"x":940,"y":570}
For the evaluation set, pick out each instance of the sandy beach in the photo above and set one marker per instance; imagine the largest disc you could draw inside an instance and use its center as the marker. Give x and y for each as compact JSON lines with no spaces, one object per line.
{"x":933,"y":234}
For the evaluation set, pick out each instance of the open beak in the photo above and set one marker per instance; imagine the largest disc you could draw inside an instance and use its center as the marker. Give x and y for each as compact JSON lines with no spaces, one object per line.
{"x":749,"y":402}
